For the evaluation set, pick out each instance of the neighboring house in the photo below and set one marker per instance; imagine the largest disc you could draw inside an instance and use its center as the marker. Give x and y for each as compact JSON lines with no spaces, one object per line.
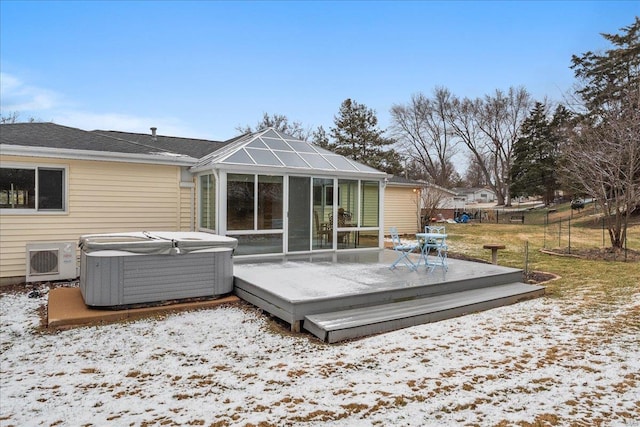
{"x":403,"y":203}
{"x":443,"y":198}
{"x":409,"y":204}
{"x":275,"y":194}
{"x":476,"y":195}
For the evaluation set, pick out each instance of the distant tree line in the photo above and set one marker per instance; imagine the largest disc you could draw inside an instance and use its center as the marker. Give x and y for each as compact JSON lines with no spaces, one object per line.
{"x":14,"y":117}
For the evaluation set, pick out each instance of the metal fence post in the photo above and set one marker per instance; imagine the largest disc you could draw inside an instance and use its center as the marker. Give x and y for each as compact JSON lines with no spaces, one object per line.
{"x":570,"y":234}
{"x":559,"y":232}
{"x":526,"y":258}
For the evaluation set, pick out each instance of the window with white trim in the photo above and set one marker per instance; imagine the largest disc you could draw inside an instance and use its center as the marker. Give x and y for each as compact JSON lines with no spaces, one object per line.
{"x":37,"y":188}
{"x":254,"y":202}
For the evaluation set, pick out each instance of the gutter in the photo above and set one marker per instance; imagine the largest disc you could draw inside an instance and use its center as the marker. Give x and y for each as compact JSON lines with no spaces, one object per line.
{"x":271,"y":170}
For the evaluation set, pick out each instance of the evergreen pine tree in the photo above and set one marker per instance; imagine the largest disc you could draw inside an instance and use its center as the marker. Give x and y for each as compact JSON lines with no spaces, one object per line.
{"x":357,"y":136}
{"x":320,"y":138}
{"x":535,"y":154}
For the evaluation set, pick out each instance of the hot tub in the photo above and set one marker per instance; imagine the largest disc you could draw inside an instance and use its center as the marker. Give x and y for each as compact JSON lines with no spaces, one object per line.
{"x":138,"y":268}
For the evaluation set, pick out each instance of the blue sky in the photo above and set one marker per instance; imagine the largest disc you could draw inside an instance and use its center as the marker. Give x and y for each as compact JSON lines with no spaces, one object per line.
{"x":201,"y":69}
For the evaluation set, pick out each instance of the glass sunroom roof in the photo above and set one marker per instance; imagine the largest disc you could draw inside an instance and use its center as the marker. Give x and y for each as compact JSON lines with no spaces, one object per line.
{"x":270,"y":148}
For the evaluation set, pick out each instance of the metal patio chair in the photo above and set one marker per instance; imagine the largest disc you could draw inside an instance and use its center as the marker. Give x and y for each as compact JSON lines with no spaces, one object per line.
{"x":402,"y":250}
{"x":437,"y":245}
{"x":441,"y":229}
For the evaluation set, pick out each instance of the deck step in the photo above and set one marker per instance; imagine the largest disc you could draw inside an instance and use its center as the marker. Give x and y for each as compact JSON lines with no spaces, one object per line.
{"x":354,"y":323}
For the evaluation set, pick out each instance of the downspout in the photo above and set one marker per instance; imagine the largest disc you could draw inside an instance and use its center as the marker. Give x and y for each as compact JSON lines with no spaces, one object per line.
{"x":192,"y":224}
{"x":218,"y":199}
{"x":381,"y":192}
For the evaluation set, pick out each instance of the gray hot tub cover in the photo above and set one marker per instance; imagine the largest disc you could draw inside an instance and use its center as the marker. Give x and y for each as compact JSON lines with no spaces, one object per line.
{"x":156,"y":242}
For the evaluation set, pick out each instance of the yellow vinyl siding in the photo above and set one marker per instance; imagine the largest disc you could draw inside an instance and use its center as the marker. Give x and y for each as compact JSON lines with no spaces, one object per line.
{"x":400,"y":209}
{"x":187,"y":216}
{"x":103,"y":197}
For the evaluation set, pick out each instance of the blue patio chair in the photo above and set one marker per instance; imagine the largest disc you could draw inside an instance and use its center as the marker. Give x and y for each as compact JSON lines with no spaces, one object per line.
{"x":441,"y":229}
{"x":402,"y":250}
{"x":439,"y":247}
{"x":436,"y":245}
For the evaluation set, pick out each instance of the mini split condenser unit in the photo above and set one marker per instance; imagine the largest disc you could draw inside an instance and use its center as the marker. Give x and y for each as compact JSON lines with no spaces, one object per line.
{"x":51,"y":261}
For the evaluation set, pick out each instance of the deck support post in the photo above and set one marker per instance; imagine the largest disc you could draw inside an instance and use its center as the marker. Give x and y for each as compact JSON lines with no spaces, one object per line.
{"x":296,"y":326}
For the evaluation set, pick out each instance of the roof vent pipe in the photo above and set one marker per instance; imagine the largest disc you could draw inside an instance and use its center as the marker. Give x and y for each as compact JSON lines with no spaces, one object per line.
{"x":153,"y":132}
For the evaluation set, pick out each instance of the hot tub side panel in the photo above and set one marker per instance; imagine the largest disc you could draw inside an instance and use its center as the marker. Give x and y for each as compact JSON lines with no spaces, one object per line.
{"x":101,"y":280}
{"x":124,"y":280}
{"x":166,"y":277}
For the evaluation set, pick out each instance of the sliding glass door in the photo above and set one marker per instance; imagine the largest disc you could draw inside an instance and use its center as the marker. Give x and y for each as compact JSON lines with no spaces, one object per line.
{"x":299,"y":214}
{"x":325,"y":214}
{"x":322,"y":213}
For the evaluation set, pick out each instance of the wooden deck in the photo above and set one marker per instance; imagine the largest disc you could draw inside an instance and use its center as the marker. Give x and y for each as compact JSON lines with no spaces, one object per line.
{"x":349,"y":295}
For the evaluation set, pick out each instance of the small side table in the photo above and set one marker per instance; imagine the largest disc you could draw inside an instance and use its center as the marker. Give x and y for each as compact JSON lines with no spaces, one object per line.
{"x":494,"y":251}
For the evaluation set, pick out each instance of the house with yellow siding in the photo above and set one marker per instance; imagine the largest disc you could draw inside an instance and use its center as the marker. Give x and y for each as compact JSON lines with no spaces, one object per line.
{"x":403,"y":205}
{"x":58,"y":183}
{"x":274,"y":193}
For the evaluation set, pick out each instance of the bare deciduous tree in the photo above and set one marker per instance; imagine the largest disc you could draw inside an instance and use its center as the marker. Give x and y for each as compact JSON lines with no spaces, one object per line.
{"x":432,"y":198}
{"x":14,"y":117}
{"x":464,"y":125}
{"x":421,"y":127}
{"x":474,"y":177}
{"x":280,"y":123}
{"x":500,"y":120}
{"x":603,"y":161}
{"x":604,"y":157}
{"x":489,"y":127}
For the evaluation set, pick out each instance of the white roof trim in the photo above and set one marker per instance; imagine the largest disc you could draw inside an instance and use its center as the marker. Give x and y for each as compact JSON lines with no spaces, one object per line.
{"x":162,"y":158}
{"x":282,"y":170}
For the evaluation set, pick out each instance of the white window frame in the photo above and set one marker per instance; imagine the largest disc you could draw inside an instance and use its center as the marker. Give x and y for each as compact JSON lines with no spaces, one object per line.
{"x":200,"y":202}
{"x":255,"y":229}
{"x":36,"y":210}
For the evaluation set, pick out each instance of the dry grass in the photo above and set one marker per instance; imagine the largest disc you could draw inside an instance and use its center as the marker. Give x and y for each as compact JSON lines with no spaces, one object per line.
{"x":594,"y":282}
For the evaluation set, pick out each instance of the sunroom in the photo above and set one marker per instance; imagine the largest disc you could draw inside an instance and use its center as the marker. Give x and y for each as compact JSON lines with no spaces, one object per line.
{"x":280,"y":195}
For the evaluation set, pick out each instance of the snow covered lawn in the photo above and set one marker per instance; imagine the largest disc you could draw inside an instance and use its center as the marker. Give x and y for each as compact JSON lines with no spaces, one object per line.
{"x":546,"y":361}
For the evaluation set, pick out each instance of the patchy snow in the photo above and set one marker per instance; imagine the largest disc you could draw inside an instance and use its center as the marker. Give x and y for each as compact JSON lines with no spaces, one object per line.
{"x":544,"y":361}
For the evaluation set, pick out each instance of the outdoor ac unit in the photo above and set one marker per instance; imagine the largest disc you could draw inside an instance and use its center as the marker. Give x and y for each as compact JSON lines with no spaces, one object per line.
{"x":51,"y":261}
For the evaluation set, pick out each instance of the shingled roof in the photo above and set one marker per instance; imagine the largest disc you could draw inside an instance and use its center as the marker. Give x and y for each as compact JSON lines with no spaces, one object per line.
{"x":192,"y":147}
{"x":51,"y":135}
